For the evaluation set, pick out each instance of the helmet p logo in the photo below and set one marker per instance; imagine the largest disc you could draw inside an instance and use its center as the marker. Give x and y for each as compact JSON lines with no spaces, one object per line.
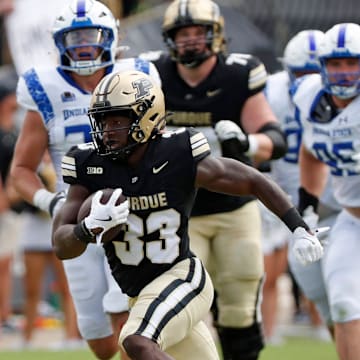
{"x":143,"y":87}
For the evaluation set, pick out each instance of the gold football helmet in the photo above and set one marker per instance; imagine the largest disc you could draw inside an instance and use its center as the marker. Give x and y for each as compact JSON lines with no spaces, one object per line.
{"x":135,"y":95}
{"x":182,"y":13}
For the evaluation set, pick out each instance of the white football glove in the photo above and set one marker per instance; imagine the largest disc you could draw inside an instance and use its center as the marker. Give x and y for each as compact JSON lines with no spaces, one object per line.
{"x":227,"y":129}
{"x":48,"y":201}
{"x":106,"y":216}
{"x":307,"y":247}
{"x":310,"y":217}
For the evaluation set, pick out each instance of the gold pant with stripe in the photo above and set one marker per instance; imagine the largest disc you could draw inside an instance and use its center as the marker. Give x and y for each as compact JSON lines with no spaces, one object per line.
{"x":170,"y":311}
{"x":229,"y":244}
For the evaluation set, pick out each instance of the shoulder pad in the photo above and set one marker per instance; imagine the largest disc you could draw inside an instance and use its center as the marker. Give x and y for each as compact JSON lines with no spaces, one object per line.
{"x":256,"y":69}
{"x":309,"y":80}
{"x":243,"y":59}
{"x":199,"y":145}
{"x":174,"y":132}
{"x":74,"y":158}
{"x":295,"y":85}
{"x":151,"y":55}
{"x":39,"y":99}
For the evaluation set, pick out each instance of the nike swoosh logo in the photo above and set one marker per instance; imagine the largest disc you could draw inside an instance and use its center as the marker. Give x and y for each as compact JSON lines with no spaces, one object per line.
{"x":211,"y":93}
{"x":108,"y":219}
{"x":158,"y":169}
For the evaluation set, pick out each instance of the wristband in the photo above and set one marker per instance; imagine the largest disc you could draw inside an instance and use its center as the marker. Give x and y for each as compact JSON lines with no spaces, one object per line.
{"x":83,"y":234}
{"x":292,"y":219}
{"x":57,"y":200}
{"x":306,"y":199}
{"x":42,"y":199}
{"x":253,"y":145}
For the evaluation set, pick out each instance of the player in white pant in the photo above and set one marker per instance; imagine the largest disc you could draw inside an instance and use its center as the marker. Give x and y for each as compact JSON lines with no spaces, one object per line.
{"x":311,"y":278}
{"x":299,"y":59}
{"x":329,"y":107}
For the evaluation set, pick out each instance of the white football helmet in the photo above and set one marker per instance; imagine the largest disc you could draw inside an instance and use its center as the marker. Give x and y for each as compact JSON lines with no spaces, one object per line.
{"x":182,"y":13}
{"x":86,"y":35}
{"x":341,"y":41}
{"x":301,"y":53}
{"x":137,"y":96}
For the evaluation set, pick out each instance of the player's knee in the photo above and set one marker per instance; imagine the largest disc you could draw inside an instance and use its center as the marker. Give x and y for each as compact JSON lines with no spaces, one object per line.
{"x":241,"y":343}
{"x":104,"y":349}
{"x":115,"y":302}
{"x":344,"y":309}
{"x":238,"y":304}
{"x":105,"y":354}
{"x":94,"y":327}
{"x":137,"y":346}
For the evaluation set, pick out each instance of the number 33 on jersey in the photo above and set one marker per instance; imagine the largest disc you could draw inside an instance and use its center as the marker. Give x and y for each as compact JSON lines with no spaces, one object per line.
{"x":155,"y":233}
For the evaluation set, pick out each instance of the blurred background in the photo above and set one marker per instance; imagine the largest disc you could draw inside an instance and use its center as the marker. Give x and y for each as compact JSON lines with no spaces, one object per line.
{"x":260,"y":27}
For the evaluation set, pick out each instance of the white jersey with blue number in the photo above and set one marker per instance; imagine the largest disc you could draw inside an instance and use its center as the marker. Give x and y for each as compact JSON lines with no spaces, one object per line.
{"x":63,"y":105}
{"x":332,"y":142}
{"x":285,"y":171}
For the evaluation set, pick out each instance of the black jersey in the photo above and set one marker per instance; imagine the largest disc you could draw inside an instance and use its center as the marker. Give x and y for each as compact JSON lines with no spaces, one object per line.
{"x":161,"y":193}
{"x":221,"y":96}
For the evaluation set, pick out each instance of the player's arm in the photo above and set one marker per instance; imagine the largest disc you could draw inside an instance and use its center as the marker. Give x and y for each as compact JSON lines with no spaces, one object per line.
{"x":233,"y":177}
{"x":30,"y":148}
{"x":229,"y":176}
{"x":262,"y":138}
{"x":29,"y":151}
{"x":65,"y":243}
{"x":4,"y":202}
{"x":259,"y":136}
{"x":313,"y":178}
{"x":258,"y":120}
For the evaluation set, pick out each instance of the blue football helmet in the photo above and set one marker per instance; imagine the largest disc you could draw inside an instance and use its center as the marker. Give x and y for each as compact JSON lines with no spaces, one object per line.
{"x":341,"y":41}
{"x":86,"y":35}
{"x":301,"y":53}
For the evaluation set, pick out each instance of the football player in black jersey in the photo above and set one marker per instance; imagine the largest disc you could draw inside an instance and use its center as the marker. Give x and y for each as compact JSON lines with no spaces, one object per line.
{"x":158,"y":172}
{"x":221,"y":95}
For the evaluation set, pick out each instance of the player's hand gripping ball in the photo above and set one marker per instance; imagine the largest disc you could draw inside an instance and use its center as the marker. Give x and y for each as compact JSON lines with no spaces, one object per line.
{"x":103,"y":217}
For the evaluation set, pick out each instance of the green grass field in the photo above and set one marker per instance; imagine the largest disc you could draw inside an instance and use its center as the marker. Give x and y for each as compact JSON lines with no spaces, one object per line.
{"x":300,"y":349}
{"x":294,"y":349}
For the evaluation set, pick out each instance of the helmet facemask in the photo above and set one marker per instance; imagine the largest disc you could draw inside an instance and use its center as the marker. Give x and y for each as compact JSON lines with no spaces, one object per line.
{"x":338,"y":84}
{"x":97,"y":120}
{"x":85,"y":50}
{"x":192,"y":57}
{"x":342,"y":41}
{"x":186,"y":13}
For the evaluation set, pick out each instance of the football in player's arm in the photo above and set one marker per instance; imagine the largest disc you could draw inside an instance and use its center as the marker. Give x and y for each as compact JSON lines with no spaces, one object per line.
{"x":159,"y":173}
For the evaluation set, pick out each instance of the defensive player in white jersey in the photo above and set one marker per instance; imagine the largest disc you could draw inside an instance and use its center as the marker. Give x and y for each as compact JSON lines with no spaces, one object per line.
{"x":57,"y":100}
{"x":329,"y":108}
{"x":299,"y":59}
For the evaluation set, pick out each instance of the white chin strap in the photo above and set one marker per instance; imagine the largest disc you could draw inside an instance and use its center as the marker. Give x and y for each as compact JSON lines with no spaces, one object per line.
{"x":85,"y":67}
